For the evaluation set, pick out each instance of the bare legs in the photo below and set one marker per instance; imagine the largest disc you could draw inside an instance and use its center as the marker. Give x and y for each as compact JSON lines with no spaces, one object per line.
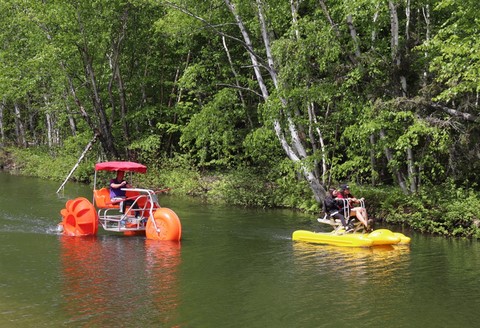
{"x":361,"y":214}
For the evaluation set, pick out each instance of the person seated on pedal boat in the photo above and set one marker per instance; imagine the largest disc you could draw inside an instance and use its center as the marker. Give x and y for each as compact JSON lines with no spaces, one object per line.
{"x":355,"y":211}
{"x":334,"y":209}
{"x":118,"y":195}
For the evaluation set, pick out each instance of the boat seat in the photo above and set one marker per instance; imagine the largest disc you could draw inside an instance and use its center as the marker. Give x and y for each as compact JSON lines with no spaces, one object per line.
{"x":102,"y":199}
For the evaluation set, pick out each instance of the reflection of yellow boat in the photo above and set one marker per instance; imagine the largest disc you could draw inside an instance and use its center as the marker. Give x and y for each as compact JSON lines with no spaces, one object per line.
{"x":375,"y":238}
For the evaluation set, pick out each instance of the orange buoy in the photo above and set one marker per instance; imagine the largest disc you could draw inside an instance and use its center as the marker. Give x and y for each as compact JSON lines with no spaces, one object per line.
{"x":167,"y":224}
{"x":79,"y":218}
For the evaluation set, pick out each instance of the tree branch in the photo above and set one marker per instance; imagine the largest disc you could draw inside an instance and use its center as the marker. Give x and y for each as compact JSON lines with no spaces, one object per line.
{"x":240,"y":88}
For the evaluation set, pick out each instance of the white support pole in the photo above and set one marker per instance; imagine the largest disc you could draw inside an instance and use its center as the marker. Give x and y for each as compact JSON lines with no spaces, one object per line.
{"x":78,"y":162}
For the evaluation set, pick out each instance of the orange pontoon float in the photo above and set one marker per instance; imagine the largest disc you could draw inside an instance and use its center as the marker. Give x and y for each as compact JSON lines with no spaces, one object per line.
{"x":82,"y":217}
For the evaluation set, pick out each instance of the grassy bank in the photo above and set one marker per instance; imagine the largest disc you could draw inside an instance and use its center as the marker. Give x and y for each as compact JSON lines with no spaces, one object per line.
{"x":445,"y":210}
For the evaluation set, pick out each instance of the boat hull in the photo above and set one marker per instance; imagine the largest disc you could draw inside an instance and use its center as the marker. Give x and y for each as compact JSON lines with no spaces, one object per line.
{"x":375,"y":238}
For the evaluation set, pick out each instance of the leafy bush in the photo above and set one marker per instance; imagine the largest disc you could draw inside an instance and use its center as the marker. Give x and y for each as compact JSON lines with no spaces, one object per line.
{"x":444,"y":210}
{"x":243,"y":187}
{"x":176,"y":173}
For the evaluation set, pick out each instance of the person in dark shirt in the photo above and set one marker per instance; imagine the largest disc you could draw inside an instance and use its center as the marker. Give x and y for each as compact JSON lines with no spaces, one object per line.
{"x":333,"y":208}
{"x":117,"y":194}
{"x":116,"y":185}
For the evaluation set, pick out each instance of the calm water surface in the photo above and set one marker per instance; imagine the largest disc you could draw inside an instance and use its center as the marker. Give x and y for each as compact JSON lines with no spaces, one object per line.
{"x":233,"y":268}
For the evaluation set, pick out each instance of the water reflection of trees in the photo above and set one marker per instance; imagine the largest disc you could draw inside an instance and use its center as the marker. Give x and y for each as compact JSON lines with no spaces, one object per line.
{"x":129,"y":280}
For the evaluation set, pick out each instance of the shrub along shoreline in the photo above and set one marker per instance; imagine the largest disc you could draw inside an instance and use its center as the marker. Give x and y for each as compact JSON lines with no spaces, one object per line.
{"x":446,"y":210}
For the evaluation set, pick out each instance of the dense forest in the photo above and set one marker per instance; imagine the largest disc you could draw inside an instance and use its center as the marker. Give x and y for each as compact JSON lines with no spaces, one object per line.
{"x":378,"y":93}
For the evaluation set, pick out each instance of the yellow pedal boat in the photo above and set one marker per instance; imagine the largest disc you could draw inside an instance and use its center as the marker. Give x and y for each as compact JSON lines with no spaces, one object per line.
{"x":375,"y":238}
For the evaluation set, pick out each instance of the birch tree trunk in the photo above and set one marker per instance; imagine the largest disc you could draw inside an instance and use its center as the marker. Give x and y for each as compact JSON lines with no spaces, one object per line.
{"x":395,"y":47}
{"x":117,"y":76}
{"x":315,"y":134}
{"x":426,"y":16}
{"x":237,"y":81}
{"x":396,"y":57}
{"x":2,"y":129}
{"x":19,"y":127}
{"x":98,"y":107}
{"x":313,"y":122}
{"x":294,"y":9}
{"x":71,"y":119}
{"x":411,"y":170}
{"x":48,"y":121}
{"x":73,"y":124}
{"x":296,"y":151}
{"x":374,"y":20}
{"x":353,"y":35}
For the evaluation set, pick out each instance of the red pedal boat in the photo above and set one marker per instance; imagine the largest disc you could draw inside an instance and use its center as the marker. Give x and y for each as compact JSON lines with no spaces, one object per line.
{"x":82,"y":217}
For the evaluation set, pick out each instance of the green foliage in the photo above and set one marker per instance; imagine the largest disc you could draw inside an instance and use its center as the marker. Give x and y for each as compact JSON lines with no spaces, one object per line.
{"x":445,"y":210}
{"x":305,"y":59}
{"x":292,"y":191}
{"x":147,"y":147}
{"x":455,"y":49}
{"x":261,"y":147}
{"x":246,"y":186}
{"x":45,"y":165}
{"x":176,"y":173}
{"x":243,"y":187}
{"x":211,"y":136}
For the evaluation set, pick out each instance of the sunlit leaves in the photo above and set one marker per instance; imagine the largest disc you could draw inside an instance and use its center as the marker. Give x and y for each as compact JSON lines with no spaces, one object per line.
{"x":211,"y":135}
{"x":259,"y":146}
{"x":456,"y":50}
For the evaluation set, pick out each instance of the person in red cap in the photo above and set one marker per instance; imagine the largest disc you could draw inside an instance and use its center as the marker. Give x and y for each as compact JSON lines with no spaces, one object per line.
{"x":359,"y":212}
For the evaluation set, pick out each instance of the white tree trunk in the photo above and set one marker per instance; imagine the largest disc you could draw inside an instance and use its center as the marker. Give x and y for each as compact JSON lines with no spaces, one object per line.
{"x":412,"y":177}
{"x":237,"y":81}
{"x":294,"y":8}
{"x":295,"y":152}
{"x":2,"y":129}
{"x":313,"y":121}
{"x":353,"y":35}
{"x":49,"y":129}
{"x":19,"y":127}
{"x":426,"y":16}
{"x":407,"y":23}
{"x":48,"y":119}
{"x":374,"y":20}
{"x":394,"y":31}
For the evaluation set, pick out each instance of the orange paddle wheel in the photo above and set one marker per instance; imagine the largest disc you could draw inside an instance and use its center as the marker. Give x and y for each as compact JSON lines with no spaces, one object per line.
{"x":79,"y":218}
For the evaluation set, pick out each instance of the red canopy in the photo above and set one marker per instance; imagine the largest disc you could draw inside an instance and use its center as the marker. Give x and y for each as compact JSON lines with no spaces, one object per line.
{"x":121,"y":166}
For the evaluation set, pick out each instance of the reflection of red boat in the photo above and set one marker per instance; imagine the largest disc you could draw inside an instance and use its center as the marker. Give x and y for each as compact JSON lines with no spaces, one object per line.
{"x":82,"y":218}
{"x":106,"y":280}
{"x":162,"y":260}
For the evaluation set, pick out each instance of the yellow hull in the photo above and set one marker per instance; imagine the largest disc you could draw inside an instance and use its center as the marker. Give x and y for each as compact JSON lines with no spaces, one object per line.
{"x":404,"y":240}
{"x":375,"y":238}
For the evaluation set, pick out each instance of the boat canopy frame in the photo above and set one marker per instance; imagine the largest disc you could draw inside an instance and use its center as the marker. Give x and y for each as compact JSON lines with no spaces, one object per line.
{"x":114,"y":166}
{"x":104,"y":217}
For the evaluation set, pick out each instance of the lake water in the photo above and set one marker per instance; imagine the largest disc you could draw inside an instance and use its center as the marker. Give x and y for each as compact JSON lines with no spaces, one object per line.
{"x":234,"y":267}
